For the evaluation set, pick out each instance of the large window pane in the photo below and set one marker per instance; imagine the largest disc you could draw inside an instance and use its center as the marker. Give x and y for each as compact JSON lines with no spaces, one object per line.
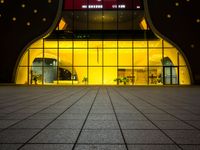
{"x":155,"y":44}
{"x":155,"y":57}
{"x":110,"y":74}
{"x":95,"y":57}
{"x":80,"y":57}
{"x":138,"y":16}
{"x":82,"y":76}
{"x":50,"y":57}
{"x":110,"y":44}
{"x":50,"y":44}
{"x":166,"y":44}
{"x":184,"y":77}
{"x":95,"y":44}
{"x":125,"y":75}
{"x":24,"y":59}
{"x":125,"y":44}
{"x":22,"y":75}
{"x":65,"y":75}
{"x":125,"y":57}
{"x":140,"y":44}
{"x":155,"y":75}
{"x":140,"y":76}
{"x":172,"y":56}
{"x":50,"y":75}
{"x":181,"y":60}
{"x":95,"y":75}
{"x":140,"y":57}
{"x":65,"y":57}
{"x":68,"y":17}
{"x":37,"y":44}
{"x":80,"y":20}
{"x":110,"y":57}
{"x":80,"y":44}
{"x":34,"y":55}
{"x":109,"y":20}
{"x":95,"y":20}
{"x":125,"y":20}
{"x":65,"y":44}
{"x":36,"y":75}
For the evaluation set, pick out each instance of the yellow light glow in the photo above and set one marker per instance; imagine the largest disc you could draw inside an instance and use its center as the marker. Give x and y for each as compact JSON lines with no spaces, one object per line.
{"x":62,"y":25}
{"x":143,"y":24}
{"x":101,"y":62}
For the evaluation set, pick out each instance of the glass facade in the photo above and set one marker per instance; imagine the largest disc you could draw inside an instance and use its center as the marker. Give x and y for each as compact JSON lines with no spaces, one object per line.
{"x":102,"y":43}
{"x":102,"y":63}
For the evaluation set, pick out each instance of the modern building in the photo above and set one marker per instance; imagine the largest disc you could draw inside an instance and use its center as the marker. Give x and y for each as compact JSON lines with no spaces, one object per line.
{"x":99,"y":42}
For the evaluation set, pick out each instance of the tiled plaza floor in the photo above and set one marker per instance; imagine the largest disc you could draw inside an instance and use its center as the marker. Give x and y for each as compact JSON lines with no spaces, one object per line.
{"x":99,"y":118}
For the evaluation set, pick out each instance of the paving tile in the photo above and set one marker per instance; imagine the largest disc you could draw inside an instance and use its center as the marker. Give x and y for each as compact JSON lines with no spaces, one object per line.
{"x":160,"y":117}
{"x":145,"y":137}
{"x":194,"y":123}
{"x":53,"y":110}
{"x":17,"y":116}
{"x":137,"y":125}
{"x":184,"y":136}
{"x":188,"y":117}
{"x":126,"y":110}
{"x":56,"y":136}
{"x":101,"y":124}
{"x":77,"y":111}
{"x":7,"y":123}
{"x":17,"y":135}
{"x":177,"y":112}
{"x":101,"y":136}
{"x":31,"y":124}
{"x":101,"y":117}
{"x":172,"y":125}
{"x":101,"y":111}
{"x":29,"y":110}
{"x":130,"y":116}
{"x":73,"y":116}
{"x":47,"y":147}
{"x":99,"y":107}
{"x":100,"y":147}
{"x":43,"y":116}
{"x":152,"y":111}
{"x":9,"y":146}
{"x":190,"y":147}
{"x":153,"y":147}
{"x":102,"y":130}
{"x":67,"y":124}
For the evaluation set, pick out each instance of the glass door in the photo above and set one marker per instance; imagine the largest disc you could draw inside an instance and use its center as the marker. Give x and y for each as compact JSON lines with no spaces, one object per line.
{"x":170,"y":75}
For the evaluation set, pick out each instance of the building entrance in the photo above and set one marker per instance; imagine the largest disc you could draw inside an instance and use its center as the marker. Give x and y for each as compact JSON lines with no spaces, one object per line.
{"x":50,"y":62}
{"x":170,"y":75}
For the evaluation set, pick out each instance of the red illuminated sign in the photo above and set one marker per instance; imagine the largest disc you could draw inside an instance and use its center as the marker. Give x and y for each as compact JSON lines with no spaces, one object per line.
{"x":102,"y":4}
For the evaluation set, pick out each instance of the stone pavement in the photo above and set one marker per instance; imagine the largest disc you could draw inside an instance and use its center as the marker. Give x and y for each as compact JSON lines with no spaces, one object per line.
{"x":99,"y":118}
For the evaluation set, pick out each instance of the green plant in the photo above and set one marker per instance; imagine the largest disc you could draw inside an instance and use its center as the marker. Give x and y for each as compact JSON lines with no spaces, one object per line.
{"x":118,"y":80}
{"x":85,"y":80}
{"x":125,"y":80}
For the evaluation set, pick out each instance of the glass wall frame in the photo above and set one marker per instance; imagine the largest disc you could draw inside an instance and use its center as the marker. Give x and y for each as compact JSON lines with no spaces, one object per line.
{"x":103,"y":63}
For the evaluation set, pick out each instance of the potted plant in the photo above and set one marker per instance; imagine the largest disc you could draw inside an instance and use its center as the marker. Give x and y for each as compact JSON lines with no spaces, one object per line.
{"x":125,"y":80}
{"x":118,"y":80}
{"x":85,"y":80}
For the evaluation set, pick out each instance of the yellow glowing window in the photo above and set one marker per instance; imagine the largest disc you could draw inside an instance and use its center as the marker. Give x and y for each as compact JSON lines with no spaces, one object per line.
{"x":62,"y":25}
{"x":143,"y":24}
{"x":102,"y":62}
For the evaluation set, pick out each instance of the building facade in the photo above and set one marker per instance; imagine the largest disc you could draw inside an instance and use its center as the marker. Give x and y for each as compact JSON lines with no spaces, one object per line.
{"x":102,"y":42}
